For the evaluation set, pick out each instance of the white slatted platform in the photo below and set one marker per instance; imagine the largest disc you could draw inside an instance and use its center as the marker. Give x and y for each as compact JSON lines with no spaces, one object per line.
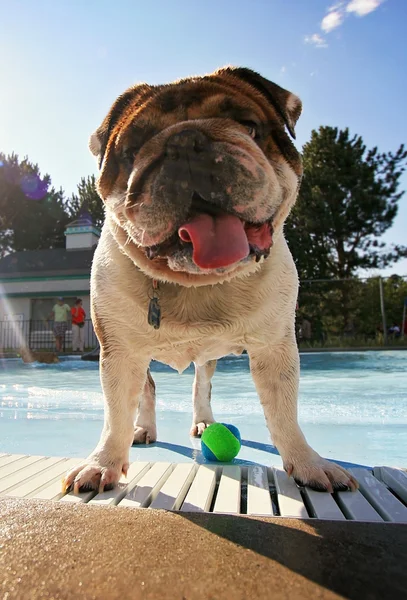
{"x":229,"y":489}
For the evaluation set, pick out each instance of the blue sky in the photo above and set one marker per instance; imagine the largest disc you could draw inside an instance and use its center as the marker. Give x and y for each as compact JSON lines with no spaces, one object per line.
{"x":63,"y":63}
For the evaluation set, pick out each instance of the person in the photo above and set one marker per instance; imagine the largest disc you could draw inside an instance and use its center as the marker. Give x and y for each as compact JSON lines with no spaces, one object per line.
{"x":59,"y":315}
{"x":395,"y":330}
{"x":78,"y":326}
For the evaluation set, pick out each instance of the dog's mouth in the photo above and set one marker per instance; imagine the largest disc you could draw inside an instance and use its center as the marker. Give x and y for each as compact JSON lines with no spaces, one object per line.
{"x":215,"y":238}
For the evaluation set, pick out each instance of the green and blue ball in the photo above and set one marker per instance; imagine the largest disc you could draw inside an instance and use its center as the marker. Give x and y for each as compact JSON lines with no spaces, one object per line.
{"x":221,"y":442}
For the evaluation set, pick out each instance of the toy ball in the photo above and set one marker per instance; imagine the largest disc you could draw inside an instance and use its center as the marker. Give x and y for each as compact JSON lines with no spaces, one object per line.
{"x":220,"y":442}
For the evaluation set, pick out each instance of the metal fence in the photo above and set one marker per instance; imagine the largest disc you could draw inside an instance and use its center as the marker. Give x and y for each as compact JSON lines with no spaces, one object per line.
{"x":331,"y":313}
{"x":38,"y":335}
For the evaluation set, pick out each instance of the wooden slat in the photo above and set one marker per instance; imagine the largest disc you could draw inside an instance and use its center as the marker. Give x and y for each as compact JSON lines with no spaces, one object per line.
{"x":258,"y":491}
{"x":229,"y":491}
{"x":148,"y":486}
{"x":289,"y":498}
{"x":72,"y":498}
{"x":17,"y":462}
{"x":53,"y":472}
{"x":49,"y":490}
{"x":53,"y":490}
{"x":395,"y":479}
{"x":5,"y":459}
{"x":174,"y":490}
{"x":355,"y":507}
{"x":200,"y":493}
{"x":323,"y":506}
{"x":164,"y":486}
{"x":126,"y":484}
{"x":383,"y":501}
{"x":32,"y":466}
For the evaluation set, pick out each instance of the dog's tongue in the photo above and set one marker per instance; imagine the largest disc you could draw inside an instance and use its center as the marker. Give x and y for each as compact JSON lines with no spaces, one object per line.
{"x":218,"y":241}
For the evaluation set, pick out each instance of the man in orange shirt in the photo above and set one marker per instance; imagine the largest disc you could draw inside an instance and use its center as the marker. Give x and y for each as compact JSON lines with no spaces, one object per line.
{"x":78,"y":326}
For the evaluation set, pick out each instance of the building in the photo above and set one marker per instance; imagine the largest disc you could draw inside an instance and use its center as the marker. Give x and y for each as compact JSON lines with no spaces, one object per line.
{"x":31,"y":281}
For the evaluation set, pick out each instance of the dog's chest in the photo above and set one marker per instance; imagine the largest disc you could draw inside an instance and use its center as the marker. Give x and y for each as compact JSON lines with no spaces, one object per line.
{"x":179,"y":355}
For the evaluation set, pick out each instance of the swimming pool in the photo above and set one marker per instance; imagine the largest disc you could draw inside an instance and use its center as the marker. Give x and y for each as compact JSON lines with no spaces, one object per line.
{"x":353,"y":408}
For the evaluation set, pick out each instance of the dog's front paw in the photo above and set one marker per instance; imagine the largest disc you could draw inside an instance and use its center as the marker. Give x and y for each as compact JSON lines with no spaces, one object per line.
{"x":145,"y":435}
{"x":93,"y":474}
{"x":320,"y":474}
{"x":197,"y":429}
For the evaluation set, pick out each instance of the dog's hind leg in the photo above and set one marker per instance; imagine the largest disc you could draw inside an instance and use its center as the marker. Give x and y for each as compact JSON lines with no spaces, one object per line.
{"x":145,"y":429}
{"x":201,"y":398}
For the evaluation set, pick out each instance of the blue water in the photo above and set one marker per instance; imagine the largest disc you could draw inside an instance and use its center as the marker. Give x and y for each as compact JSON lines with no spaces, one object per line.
{"x":353,"y":408}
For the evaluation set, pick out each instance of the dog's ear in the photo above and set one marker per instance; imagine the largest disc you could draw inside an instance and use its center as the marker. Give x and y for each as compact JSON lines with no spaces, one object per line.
{"x":286,"y":104}
{"x":99,"y":139}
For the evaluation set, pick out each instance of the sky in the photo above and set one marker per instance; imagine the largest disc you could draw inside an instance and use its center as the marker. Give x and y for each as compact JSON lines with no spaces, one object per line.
{"x":63,"y":63}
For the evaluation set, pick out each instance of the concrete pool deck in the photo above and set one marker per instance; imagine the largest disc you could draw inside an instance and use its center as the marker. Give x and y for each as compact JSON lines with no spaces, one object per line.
{"x":51,"y":550}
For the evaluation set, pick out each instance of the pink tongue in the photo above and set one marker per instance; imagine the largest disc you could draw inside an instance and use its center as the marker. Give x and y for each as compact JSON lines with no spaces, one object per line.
{"x":217,"y":241}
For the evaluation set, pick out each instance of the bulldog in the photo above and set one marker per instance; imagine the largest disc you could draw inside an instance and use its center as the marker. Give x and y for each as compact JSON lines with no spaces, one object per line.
{"x":197,"y":178}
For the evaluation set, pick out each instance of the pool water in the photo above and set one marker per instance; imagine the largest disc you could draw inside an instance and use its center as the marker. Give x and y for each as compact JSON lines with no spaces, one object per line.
{"x":353,"y":408}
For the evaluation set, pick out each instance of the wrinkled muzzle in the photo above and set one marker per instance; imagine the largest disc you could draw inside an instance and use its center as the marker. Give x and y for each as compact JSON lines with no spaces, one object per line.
{"x":209,"y":197}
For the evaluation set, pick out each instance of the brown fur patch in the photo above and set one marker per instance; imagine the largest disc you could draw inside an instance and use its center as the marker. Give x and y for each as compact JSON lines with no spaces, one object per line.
{"x":30,"y":356}
{"x":223,"y":94}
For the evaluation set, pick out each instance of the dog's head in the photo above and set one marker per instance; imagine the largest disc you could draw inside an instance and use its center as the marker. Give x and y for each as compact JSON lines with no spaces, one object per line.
{"x":198,"y":175}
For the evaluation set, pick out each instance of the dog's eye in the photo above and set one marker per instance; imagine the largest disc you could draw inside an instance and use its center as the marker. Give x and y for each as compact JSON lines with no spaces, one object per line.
{"x":252,"y":128}
{"x":129,"y":154}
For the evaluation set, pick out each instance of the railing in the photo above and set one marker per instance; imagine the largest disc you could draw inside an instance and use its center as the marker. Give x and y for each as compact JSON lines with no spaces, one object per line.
{"x":38,"y":335}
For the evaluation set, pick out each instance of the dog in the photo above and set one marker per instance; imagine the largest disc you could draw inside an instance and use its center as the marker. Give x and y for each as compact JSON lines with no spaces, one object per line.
{"x":197,"y":178}
{"x":30,"y":356}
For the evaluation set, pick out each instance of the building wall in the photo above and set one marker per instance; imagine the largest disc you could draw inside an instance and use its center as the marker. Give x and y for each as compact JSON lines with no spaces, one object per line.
{"x":15,"y":306}
{"x":78,"y":241}
{"x":86,"y":305}
{"x":16,"y":296}
{"x":22,"y":306}
{"x":47,"y":286}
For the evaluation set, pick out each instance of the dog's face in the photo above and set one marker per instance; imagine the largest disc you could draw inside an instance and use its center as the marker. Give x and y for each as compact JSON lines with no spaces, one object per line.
{"x":200,"y":174}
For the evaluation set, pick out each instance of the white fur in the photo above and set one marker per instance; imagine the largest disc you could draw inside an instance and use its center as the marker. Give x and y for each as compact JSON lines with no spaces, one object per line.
{"x":94,"y":145}
{"x":255,"y":312}
{"x":203,"y":318}
{"x":293,"y":103}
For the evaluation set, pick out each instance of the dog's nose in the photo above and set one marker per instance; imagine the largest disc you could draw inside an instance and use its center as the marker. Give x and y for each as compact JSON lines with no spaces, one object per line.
{"x":187,"y":141}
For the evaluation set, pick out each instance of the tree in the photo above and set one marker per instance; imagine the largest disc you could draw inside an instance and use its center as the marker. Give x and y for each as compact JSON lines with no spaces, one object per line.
{"x":32,"y":212}
{"x":349,"y":197}
{"x":87,"y":199}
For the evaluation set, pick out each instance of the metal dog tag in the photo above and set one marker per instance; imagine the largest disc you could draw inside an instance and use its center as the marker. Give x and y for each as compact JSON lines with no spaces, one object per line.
{"x":154,"y":313}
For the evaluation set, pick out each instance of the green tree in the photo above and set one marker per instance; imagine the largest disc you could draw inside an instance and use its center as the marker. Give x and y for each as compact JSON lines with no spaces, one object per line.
{"x":87,"y":199}
{"x":349,"y":197}
{"x":32,"y":212}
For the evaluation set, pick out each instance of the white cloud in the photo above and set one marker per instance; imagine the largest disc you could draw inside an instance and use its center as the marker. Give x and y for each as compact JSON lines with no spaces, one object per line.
{"x":332,"y":20}
{"x":362,"y":7}
{"x":336,"y":15}
{"x":335,"y":6}
{"x":283,"y":69}
{"x":316,"y":39}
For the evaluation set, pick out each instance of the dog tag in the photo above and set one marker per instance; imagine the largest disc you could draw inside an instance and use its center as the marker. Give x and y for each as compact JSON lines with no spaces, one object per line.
{"x":154,"y":313}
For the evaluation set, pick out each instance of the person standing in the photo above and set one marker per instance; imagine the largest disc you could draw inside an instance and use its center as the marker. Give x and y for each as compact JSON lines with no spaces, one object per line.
{"x":59,"y":315}
{"x":78,"y":326}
